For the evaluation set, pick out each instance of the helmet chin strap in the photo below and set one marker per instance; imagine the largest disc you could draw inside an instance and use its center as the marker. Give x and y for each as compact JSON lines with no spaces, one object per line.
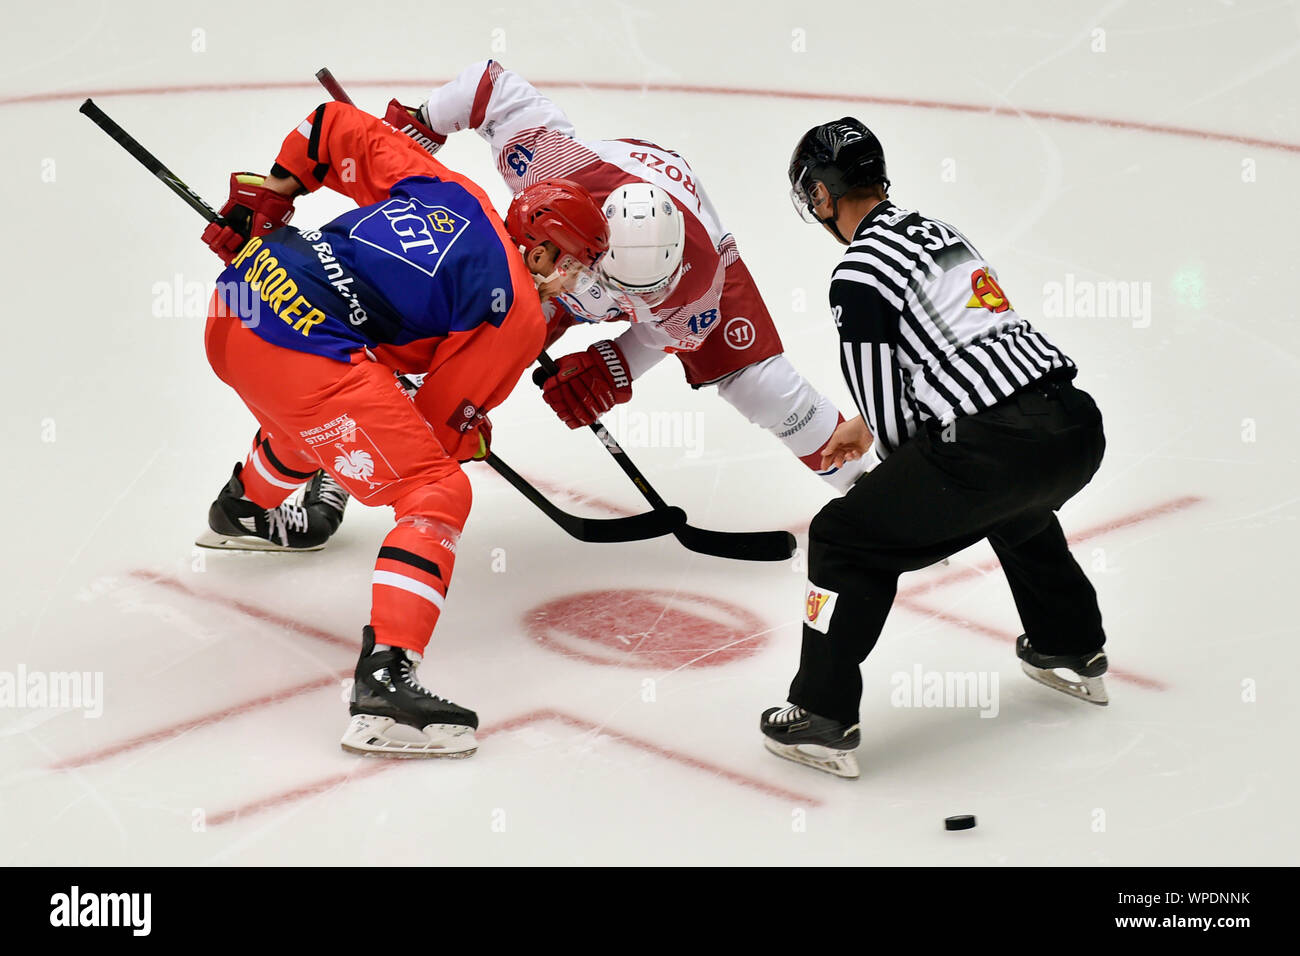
{"x":831,"y":222}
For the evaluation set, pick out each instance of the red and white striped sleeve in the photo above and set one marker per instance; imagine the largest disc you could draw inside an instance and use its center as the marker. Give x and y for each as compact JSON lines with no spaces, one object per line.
{"x":517,"y":121}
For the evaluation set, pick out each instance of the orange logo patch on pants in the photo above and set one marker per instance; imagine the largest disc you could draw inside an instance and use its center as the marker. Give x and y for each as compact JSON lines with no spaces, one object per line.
{"x":819,"y":606}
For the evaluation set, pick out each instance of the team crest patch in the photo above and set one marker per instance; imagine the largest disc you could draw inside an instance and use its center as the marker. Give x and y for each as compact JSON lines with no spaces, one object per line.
{"x":355,"y":464}
{"x":465,"y":417}
{"x":818,"y":607}
{"x":344,"y":446}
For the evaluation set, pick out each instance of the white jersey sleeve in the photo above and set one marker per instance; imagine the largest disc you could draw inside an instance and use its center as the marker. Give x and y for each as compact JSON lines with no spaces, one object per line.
{"x":508,"y":112}
{"x":532,"y":140}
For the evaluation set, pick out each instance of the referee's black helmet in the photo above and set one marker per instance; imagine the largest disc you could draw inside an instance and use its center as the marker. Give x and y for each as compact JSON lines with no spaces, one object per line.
{"x":842,"y":155}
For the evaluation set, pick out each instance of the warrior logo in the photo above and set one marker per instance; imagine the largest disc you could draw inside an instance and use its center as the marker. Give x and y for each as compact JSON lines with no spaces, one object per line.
{"x":355,"y":464}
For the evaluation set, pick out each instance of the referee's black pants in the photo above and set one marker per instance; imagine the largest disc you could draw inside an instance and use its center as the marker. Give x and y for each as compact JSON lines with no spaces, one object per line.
{"x":1001,"y":477}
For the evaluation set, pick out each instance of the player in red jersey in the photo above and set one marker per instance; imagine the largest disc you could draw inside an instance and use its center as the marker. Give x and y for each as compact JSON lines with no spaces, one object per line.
{"x":673,"y":272}
{"x":311,"y":328}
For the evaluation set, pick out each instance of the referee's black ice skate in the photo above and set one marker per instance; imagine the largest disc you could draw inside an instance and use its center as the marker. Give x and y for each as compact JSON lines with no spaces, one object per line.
{"x":238,"y":524}
{"x":1087,"y":668}
{"x":393,"y":715}
{"x":795,"y":734}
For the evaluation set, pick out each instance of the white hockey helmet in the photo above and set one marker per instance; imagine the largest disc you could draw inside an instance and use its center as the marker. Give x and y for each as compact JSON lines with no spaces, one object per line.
{"x":647,"y":235}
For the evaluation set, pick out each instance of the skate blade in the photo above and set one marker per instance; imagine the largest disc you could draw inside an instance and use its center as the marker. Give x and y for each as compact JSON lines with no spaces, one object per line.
{"x":1091,"y":689}
{"x":839,"y":763}
{"x":371,"y":736}
{"x":227,"y":542}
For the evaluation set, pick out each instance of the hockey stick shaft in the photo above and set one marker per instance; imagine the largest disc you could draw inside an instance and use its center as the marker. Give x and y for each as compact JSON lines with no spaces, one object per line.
{"x":332,"y":86}
{"x":641,"y":527}
{"x":148,"y":160}
{"x":737,"y":545}
{"x":634,"y":528}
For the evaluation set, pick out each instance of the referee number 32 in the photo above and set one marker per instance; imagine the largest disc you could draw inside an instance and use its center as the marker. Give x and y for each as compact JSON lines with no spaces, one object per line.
{"x":935,"y":236}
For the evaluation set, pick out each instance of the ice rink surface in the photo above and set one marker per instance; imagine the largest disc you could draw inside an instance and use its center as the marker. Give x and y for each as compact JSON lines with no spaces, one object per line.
{"x":619,"y":686}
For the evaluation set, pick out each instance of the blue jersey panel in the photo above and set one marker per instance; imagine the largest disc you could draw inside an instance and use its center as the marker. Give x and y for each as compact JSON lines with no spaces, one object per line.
{"x":423,"y":263}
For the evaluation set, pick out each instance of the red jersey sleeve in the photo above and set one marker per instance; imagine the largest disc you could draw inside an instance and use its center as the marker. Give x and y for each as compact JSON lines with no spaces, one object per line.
{"x":353,"y":153}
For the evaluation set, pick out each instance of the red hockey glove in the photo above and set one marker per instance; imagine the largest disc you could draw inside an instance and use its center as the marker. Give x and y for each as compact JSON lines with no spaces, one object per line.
{"x":588,"y":384}
{"x":410,"y":121}
{"x":252,"y":210}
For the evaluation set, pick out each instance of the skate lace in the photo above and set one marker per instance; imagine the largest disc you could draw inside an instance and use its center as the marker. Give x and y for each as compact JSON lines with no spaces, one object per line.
{"x":285,"y":519}
{"x":789,"y":715}
{"x":407,"y":668}
{"x":331,"y":493}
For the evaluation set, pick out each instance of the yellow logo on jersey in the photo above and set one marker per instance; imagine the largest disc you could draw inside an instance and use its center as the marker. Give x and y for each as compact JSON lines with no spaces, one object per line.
{"x":441,"y":221}
{"x":987,"y":294}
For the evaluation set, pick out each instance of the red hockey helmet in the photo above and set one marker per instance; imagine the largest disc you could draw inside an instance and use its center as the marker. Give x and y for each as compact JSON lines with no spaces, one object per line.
{"x":562,"y":212}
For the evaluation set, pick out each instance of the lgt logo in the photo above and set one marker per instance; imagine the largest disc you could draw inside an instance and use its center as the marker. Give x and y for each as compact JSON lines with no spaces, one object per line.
{"x":415,"y":232}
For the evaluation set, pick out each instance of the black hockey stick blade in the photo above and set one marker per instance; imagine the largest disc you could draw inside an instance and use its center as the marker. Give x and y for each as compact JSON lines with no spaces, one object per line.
{"x":738,"y":545}
{"x":148,"y":160}
{"x":642,"y":527}
{"x":735,"y":545}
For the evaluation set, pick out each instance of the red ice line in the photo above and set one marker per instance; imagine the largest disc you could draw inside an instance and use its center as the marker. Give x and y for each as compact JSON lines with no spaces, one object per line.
{"x":908,"y":597}
{"x":1118,"y":524}
{"x":695,"y":89}
{"x":1119,"y":673}
{"x":905,"y":599}
{"x":578,"y":497}
{"x":311,"y":789}
{"x":270,"y":617}
{"x":379,"y":765}
{"x":216,"y":716}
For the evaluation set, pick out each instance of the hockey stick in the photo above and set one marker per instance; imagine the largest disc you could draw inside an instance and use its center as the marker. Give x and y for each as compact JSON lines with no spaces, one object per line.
{"x":648,"y":524}
{"x":332,"y":86}
{"x":738,"y":545}
{"x":651,"y":524}
{"x":148,"y":160}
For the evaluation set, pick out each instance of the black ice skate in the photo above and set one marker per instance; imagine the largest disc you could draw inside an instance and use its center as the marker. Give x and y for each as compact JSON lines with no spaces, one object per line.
{"x":1087,"y":668}
{"x":814,"y":741}
{"x":238,"y":524}
{"x":393,"y":715}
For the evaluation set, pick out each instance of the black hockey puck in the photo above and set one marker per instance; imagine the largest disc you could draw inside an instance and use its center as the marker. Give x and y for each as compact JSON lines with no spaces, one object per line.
{"x":964,"y":821}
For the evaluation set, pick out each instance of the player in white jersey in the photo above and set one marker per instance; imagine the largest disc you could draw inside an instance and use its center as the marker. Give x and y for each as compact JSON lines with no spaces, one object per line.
{"x":672,"y":271}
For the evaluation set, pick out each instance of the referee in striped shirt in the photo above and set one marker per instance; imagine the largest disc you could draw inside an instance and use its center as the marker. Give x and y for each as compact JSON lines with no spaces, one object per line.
{"x":978,"y":431}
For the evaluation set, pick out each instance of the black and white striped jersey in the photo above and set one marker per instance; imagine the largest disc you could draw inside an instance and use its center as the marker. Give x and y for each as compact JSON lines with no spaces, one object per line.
{"x":926,"y":332}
